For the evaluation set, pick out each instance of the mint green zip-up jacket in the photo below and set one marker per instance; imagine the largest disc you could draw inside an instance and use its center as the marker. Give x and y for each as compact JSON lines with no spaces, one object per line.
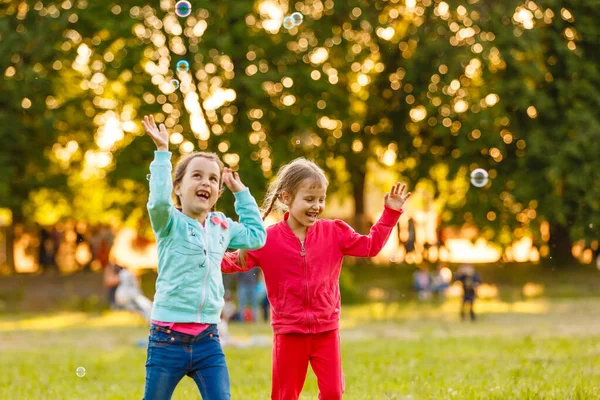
{"x":189,"y":287}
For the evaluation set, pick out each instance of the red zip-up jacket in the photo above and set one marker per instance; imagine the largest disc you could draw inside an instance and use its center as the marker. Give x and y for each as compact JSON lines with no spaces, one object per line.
{"x":303,"y":281}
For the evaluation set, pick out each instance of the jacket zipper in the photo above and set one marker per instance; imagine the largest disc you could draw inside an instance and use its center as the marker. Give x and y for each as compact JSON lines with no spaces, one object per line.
{"x":206,"y":252}
{"x":303,"y":255}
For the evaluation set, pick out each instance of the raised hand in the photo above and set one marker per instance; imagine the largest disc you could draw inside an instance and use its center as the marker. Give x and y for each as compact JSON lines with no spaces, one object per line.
{"x":159,"y":136}
{"x":396,"y":197}
{"x":232,"y":180}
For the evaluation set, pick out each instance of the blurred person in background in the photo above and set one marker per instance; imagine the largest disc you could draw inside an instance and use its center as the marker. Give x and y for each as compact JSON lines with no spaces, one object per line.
{"x":422,"y":283}
{"x":469,"y":278}
{"x":440,"y":280}
{"x":246,"y":292}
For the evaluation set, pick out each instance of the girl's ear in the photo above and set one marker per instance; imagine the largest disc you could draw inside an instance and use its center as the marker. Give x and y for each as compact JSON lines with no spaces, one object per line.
{"x":285,"y":198}
{"x":176,"y":190}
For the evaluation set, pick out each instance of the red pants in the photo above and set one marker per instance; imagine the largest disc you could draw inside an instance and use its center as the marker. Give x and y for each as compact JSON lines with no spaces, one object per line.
{"x":291,"y":354}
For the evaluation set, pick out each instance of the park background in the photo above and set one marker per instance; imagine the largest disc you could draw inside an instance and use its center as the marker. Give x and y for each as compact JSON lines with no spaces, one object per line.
{"x":419,"y":91}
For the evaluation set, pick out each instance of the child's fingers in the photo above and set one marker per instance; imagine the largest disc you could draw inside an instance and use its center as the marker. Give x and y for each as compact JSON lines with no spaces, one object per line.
{"x":152,"y":123}
{"x":163,"y":129}
{"x":386,"y":196}
{"x":226,"y":178}
{"x":402,"y":188}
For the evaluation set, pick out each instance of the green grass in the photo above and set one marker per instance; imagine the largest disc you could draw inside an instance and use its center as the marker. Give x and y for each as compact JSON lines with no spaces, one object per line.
{"x":530,"y":350}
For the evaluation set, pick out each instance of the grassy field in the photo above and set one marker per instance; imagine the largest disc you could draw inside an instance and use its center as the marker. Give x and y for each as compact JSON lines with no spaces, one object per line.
{"x":528,"y":350}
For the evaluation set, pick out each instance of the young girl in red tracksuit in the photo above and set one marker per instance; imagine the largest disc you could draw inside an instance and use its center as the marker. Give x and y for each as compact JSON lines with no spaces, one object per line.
{"x":301,"y":262}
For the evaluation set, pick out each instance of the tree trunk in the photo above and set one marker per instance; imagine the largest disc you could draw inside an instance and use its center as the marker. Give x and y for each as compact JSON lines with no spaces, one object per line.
{"x":10,"y":243}
{"x":358,"y":191}
{"x":560,"y":245}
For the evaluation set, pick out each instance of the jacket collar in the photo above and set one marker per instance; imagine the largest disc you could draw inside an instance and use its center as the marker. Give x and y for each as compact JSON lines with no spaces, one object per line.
{"x":285,"y":228}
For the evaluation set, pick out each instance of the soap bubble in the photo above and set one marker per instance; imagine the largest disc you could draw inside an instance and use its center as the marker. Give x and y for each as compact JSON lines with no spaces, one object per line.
{"x":80,"y":371}
{"x":298,"y":18}
{"x":183,"y":66}
{"x":175,"y":83}
{"x":479,"y":177}
{"x":148,"y":177}
{"x":183,"y":8}
{"x":288,"y":22}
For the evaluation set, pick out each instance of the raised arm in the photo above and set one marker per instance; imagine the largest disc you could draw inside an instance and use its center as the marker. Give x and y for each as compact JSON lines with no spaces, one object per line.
{"x":354,"y":244}
{"x":160,"y":205}
{"x":249,"y":232}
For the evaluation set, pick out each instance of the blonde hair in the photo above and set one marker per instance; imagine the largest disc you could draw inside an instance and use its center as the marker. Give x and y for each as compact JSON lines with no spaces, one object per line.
{"x":288,"y":179}
{"x":182,"y":164}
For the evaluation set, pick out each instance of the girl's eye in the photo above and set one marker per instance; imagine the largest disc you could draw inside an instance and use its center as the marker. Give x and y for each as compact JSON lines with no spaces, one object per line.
{"x":213,"y":179}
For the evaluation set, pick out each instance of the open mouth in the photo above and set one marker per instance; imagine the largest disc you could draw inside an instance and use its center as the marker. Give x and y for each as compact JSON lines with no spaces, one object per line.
{"x":203,"y":194}
{"x":312,"y":216}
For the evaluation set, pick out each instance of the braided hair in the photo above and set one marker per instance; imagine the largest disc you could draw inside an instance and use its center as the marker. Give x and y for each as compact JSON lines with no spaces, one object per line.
{"x":289,"y":179}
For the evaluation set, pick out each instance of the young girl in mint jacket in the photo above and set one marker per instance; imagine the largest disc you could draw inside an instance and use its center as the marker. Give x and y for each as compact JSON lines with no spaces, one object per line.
{"x":189,"y":289}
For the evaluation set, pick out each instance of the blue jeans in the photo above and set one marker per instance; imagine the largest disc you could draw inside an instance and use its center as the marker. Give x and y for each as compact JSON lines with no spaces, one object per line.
{"x":172,"y":355}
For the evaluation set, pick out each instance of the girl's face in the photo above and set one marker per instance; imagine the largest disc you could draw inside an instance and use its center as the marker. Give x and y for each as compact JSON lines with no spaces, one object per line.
{"x":307,"y":204}
{"x":200,"y":187}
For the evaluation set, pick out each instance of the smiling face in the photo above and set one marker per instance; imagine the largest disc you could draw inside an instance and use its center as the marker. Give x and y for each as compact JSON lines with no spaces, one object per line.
{"x":306,"y":204}
{"x":199,"y":188}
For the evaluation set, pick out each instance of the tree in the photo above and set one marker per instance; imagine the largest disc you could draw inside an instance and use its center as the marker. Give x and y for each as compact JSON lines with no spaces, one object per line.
{"x":27,"y":121}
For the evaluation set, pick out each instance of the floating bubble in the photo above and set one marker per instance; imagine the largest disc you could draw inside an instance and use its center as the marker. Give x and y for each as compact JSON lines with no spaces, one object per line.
{"x":288,"y":22}
{"x":183,"y":66}
{"x":148,"y":177}
{"x":297,"y":142}
{"x":175,"y":83}
{"x":298,"y":18}
{"x":80,"y":371}
{"x":479,"y":177}
{"x":183,"y":8}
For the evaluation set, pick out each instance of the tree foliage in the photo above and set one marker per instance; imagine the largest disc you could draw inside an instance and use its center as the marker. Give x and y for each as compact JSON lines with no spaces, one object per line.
{"x":428,"y":89}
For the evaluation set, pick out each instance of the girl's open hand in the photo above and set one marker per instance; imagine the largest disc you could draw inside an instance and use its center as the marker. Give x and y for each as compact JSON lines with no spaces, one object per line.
{"x":232,"y":180}
{"x":396,"y":197}
{"x":159,"y":136}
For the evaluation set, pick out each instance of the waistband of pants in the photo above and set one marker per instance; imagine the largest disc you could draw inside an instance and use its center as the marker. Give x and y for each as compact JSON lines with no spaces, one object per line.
{"x":184,"y":336}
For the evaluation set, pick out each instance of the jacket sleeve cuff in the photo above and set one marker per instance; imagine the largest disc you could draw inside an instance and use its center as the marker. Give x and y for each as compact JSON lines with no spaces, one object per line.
{"x":243,"y":196}
{"x":390,"y":216}
{"x":161,"y":157}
